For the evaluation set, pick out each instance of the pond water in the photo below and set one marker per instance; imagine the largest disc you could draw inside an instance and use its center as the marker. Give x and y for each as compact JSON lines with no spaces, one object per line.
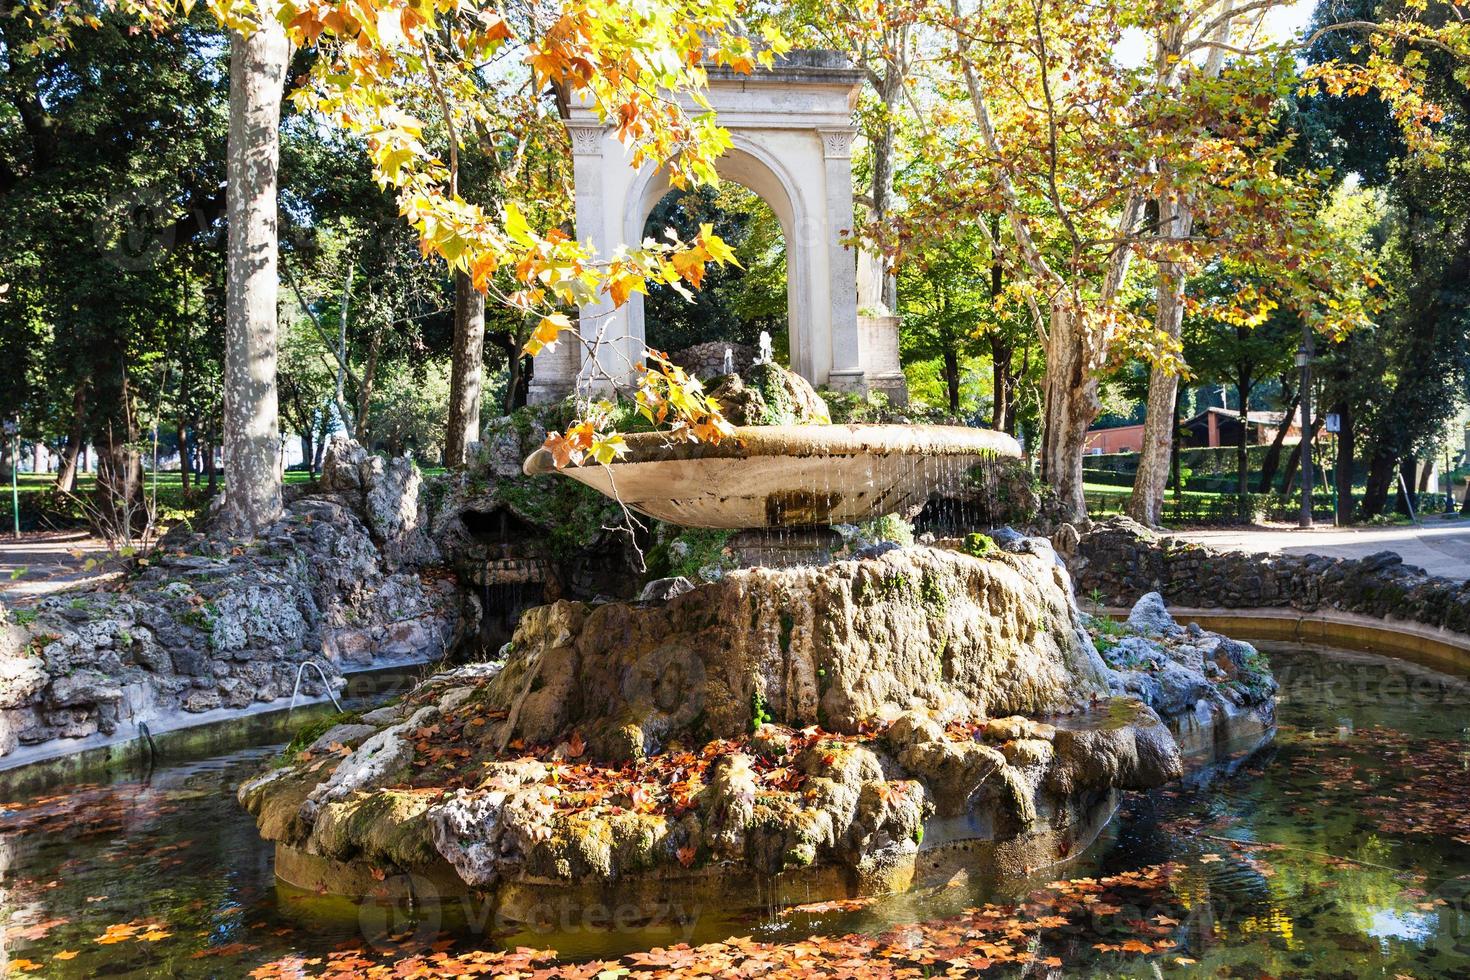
{"x":1341,"y":850}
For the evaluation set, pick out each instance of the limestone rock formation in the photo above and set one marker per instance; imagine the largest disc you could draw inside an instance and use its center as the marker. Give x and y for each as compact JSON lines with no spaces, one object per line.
{"x":768,"y":394}
{"x":833,"y":645}
{"x":209,"y":623}
{"x":1212,"y":689}
{"x":815,"y":722}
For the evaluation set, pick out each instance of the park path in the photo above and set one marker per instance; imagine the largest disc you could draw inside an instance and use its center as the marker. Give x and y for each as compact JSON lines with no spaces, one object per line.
{"x":43,"y":562}
{"x":1440,"y":547}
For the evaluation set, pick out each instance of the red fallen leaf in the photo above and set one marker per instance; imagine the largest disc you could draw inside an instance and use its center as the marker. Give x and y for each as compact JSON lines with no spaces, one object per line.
{"x":686,"y":855}
{"x":379,"y":874}
{"x":576,"y":746}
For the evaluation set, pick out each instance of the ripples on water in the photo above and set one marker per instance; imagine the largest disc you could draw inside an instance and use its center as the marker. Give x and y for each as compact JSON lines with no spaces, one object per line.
{"x":1343,"y":850}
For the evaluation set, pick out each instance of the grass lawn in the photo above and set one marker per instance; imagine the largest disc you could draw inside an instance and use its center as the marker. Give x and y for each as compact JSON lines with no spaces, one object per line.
{"x":41,"y":507}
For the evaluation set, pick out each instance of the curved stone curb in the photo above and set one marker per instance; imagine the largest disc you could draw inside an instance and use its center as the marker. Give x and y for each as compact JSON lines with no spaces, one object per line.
{"x":1427,"y":646}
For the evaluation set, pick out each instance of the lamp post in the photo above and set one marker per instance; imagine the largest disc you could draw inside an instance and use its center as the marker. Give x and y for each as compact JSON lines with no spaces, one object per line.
{"x":1304,"y":362}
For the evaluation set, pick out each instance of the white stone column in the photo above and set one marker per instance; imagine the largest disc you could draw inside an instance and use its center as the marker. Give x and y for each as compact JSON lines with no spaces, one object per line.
{"x":847,"y":365}
{"x":557,"y":371}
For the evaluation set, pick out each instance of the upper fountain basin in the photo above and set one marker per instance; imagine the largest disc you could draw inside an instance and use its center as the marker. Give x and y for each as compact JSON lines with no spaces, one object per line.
{"x":788,"y":475}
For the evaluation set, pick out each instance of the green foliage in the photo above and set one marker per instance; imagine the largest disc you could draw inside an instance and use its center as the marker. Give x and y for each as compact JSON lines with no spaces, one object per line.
{"x":889,"y":527}
{"x":760,"y":711}
{"x":410,"y":404}
{"x":979,"y":545}
{"x":1105,"y":634}
{"x":572,"y":515}
{"x":734,"y":303}
{"x":688,"y":551}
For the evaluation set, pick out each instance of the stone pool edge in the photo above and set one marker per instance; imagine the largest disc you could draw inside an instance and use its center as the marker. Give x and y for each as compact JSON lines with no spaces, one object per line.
{"x":1427,"y":646}
{"x":184,"y":736}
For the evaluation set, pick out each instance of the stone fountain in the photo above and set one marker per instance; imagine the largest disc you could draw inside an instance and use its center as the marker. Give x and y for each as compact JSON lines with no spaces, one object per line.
{"x":818,"y":730}
{"x":783,"y":476}
{"x":784,"y":486}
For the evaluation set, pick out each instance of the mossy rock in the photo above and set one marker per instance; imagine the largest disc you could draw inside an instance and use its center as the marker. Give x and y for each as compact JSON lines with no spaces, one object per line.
{"x":768,"y":394}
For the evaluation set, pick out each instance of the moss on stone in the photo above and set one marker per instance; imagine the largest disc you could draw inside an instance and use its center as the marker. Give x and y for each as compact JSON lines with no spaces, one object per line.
{"x":311,"y":731}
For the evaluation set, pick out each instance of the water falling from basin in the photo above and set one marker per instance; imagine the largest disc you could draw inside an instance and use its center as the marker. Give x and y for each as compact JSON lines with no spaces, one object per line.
{"x":787,"y":476}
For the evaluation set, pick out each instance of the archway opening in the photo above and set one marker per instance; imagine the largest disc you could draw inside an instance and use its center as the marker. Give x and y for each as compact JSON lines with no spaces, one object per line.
{"x":733,"y":304}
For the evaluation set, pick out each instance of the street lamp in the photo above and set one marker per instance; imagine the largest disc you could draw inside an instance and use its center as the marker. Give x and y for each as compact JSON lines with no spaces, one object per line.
{"x":1304,"y":363}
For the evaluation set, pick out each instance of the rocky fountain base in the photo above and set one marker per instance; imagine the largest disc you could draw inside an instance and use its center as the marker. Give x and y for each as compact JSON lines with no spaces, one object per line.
{"x":805,"y":732}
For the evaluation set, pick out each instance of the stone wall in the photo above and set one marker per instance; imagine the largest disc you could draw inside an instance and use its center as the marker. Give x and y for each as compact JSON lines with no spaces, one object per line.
{"x":707,"y":360}
{"x":204,"y":622}
{"x":1122,"y":560}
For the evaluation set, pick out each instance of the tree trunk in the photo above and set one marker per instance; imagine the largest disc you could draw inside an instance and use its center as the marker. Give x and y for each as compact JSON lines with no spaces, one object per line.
{"x":882,"y":187}
{"x":1003,"y":383}
{"x":66,"y":473}
{"x":1146,"y":503}
{"x":1344,"y":474}
{"x":1272,"y":462}
{"x":118,"y":494}
{"x":211,"y":471}
{"x":1003,"y":379}
{"x":1071,"y":403}
{"x":365,"y":391}
{"x":952,"y":379}
{"x":1294,"y":461}
{"x":465,"y":373}
{"x":1242,"y":446}
{"x":516,"y":366}
{"x":251,"y":424}
{"x":1175,"y":463}
{"x":1380,"y":480}
{"x":1424,"y":472}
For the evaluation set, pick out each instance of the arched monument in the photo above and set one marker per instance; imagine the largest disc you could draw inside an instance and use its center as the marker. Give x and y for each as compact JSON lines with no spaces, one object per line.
{"x":792,"y":131}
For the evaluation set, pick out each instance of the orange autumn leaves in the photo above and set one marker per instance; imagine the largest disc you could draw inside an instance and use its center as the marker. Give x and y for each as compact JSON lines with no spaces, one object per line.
{"x":409,"y":79}
{"x":1049,"y":930}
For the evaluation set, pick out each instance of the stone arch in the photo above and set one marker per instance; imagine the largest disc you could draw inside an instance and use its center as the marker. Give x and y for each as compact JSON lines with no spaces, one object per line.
{"x":791,"y":129}
{"x":746,"y":163}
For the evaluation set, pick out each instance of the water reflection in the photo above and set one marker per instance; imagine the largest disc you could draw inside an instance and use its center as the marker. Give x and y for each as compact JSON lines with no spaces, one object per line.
{"x":1343,"y":849}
